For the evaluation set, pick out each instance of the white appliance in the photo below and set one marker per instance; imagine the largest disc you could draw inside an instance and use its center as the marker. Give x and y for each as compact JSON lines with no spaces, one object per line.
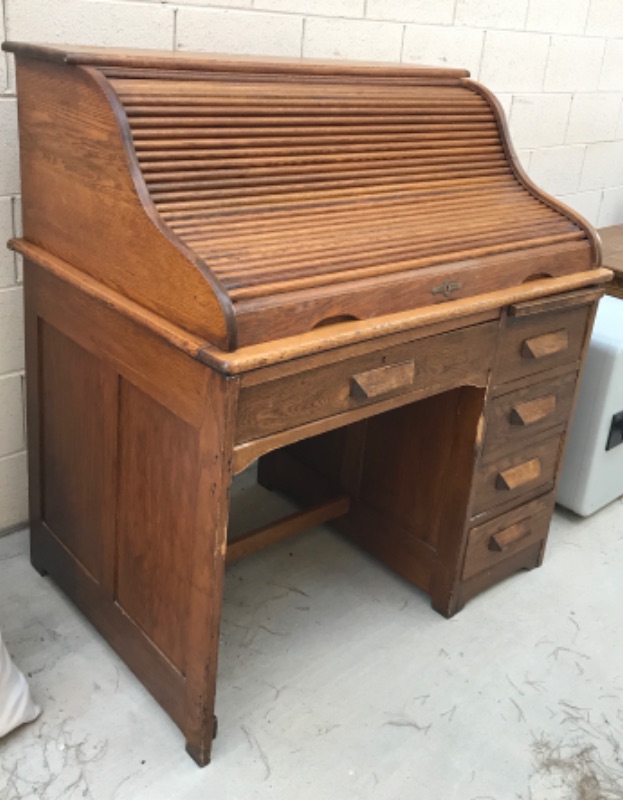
{"x":592,"y":470}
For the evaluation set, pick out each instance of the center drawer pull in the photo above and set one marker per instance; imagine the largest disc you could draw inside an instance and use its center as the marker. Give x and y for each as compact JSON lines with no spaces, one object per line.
{"x":380,"y":381}
{"x":516,"y":477}
{"x":502,"y":540}
{"x":533,"y":411}
{"x":548,"y":344}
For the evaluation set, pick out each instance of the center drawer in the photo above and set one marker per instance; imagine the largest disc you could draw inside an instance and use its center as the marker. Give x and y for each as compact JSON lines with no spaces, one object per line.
{"x":398,"y":374}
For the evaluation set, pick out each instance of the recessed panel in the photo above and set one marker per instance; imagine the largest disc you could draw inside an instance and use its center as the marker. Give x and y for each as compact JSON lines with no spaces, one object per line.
{"x":158,"y":468}
{"x":78,"y":401}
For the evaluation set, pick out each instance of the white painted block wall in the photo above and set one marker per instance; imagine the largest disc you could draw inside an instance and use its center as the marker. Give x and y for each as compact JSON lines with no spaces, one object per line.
{"x":557,"y":68}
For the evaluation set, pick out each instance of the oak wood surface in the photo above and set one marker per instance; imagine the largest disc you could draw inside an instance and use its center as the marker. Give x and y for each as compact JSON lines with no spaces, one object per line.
{"x":517,"y":416}
{"x":545,"y":345}
{"x":287,"y":196}
{"x":154,"y":538}
{"x":532,"y":411}
{"x":530,"y":345}
{"x":74,"y":164}
{"x":489,"y":544}
{"x":439,"y":362}
{"x":345,"y":333}
{"x":519,"y":476}
{"x":505,"y":480}
{"x":132,"y":57}
{"x":384,"y":380}
{"x":339,"y":269}
{"x":252,"y":361}
{"x":553,"y":303}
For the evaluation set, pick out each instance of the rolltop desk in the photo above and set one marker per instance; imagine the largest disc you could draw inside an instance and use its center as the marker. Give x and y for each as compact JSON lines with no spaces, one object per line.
{"x":338,"y":269}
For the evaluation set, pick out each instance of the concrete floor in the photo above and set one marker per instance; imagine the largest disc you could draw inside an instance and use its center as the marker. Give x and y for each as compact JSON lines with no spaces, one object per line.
{"x":339,"y":682}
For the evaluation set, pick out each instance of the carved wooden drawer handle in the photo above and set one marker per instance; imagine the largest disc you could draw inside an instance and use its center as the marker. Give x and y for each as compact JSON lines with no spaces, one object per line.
{"x":533,"y":411}
{"x":380,"y":381}
{"x":502,"y":540}
{"x":515,"y":477}
{"x":548,"y":344}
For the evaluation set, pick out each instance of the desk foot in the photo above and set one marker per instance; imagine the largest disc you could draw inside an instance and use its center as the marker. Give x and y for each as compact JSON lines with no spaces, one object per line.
{"x":41,"y":570}
{"x":200,"y":755}
{"x":201,"y":752}
{"x":448,"y":606}
{"x":36,"y":557}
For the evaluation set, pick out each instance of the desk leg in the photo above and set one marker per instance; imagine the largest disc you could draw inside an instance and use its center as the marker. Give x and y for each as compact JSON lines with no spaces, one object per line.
{"x":208,"y":563}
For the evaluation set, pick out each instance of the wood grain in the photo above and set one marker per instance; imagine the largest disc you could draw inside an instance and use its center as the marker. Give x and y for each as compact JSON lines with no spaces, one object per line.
{"x":519,"y":476}
{"x":72,"y":147}
{"x":545,"y":345}
{"x":154,"y":507}
{"x":326,"y":391}
{"x":532,"y":411}
{"x":285,"y":194}
{"x":509,"y":477}
{"x":535,"y":343}
{"x":514,"y":418}
{"x":490,"y":544}
{"x":78,"y":402}
{"x":338,"y":268}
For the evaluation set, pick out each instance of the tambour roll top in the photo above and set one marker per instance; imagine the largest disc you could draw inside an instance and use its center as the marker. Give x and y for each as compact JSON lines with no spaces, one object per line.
{"x":289,"y":195}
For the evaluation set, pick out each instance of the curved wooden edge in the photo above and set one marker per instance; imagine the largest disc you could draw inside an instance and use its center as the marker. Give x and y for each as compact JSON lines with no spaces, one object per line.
{"x":165,"y":59}
{"x":329,"y":338}
{"x":345,"y":333}
{"x":523,"y":177}
{"x":171,"y":333}
{"x":144,"y":196}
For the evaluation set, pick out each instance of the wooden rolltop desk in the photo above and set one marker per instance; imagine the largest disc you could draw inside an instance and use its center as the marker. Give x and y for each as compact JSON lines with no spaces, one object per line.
{"x":339,"y":269}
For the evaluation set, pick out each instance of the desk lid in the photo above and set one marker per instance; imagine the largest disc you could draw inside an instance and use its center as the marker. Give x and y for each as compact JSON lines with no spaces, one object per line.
{"x":270,"y":197}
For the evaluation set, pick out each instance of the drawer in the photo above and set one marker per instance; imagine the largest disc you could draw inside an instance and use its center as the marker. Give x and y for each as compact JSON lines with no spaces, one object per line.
{"x":384,"y":377}
{"x":495,"y":541}
{"x":535,"y":343}
{"x":514,"y":418}
{"x":511,"y":476}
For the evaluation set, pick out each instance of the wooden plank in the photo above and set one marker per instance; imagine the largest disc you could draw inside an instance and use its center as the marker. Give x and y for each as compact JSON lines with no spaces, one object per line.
{"x":285,"y":528}
{"x":551,"y":304}
{"x":283,"y":349}
{"x":154,"y":59}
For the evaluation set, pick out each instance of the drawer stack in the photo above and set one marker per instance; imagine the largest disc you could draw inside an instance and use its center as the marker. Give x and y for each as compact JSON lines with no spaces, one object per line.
{"x":528,"y":406}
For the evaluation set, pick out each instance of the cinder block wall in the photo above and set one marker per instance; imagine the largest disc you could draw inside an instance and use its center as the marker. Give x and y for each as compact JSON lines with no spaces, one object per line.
{"x":557,"y":68}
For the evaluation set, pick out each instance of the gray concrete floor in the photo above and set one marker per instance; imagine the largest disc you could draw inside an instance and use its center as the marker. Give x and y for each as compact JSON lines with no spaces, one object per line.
{"x":338,"y":681}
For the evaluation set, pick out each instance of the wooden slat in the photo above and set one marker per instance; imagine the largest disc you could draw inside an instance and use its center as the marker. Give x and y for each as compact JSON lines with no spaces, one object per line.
{"x":285,"y":528}
{"x":289,"y":185}
{"x":343,"y":233}
{"x":315,"y":280}
{"x":366,"y":251}
{"x":368,"y":208}
{"x":310,"y":198}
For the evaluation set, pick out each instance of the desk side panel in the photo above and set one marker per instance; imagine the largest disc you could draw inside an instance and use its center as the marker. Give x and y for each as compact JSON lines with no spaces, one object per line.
{"x":80,"y":200}
{"x":129,"y":476}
